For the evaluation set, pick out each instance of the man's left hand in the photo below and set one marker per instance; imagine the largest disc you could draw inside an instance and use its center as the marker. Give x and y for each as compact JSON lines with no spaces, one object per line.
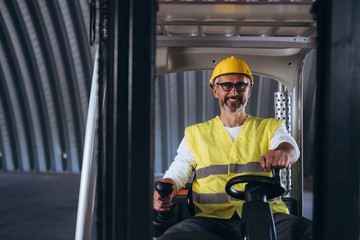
{"x":280,"y":157}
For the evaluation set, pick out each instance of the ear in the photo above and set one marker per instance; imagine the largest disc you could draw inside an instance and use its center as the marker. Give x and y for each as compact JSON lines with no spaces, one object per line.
{"x":216,"y":95}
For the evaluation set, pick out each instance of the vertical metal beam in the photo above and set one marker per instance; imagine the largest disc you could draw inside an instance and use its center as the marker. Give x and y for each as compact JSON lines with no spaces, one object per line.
{"x":109,"y":178}
{"x":129,"y":141}
{"x":141,"y":123}
{"x":336,"y":179}
{"x":282,"y":110}
{"x":297,"y":133}
{"x":89,"y":166}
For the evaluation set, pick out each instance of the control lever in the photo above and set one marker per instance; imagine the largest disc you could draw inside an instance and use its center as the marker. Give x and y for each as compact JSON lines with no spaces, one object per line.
{"x":164,"y":220}
{"x":276,"y":175}
{"x":164,"y":189}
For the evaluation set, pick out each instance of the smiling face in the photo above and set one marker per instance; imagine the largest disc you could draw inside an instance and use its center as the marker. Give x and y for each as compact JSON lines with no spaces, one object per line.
{"x":232,"y":101}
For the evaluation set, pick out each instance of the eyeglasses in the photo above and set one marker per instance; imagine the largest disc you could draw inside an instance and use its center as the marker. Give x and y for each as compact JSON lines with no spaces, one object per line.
{"x":228,"y":86}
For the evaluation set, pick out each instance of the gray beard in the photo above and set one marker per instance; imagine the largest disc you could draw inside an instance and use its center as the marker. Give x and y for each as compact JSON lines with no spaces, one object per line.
{"x":237,"y":110}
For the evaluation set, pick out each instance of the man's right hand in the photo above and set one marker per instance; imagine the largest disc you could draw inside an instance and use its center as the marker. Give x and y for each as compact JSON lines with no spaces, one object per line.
{"x":161,"y":204}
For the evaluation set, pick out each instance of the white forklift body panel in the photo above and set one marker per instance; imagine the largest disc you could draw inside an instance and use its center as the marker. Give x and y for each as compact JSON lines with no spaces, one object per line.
{"x":272,"y":38}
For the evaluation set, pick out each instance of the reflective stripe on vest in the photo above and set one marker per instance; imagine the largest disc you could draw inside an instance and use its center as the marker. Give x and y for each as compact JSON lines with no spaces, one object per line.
{"x":225,"y":169}
{"x":212,"y":198}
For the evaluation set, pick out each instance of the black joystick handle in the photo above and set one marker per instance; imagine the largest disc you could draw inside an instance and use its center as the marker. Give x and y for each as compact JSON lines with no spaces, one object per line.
{"x":164,"y":188}
{"x":163,"y":220}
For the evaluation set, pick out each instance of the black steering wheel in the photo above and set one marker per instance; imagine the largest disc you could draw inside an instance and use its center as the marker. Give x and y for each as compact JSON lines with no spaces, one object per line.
{"x":258,"y":187}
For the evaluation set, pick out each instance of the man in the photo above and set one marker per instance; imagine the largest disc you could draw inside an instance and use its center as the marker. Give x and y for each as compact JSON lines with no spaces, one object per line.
{"x":231,"y":144}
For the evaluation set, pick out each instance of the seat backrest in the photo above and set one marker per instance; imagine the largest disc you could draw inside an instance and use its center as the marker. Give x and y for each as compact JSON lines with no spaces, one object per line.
{"x":291,"y":205}
{"x":190,"y":203}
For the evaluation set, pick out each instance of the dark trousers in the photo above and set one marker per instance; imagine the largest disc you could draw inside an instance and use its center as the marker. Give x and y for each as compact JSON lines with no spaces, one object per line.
{"x":288,"y":227}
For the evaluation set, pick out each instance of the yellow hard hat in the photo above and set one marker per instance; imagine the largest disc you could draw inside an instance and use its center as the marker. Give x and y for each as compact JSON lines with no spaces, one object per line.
{"x":230,"y":65}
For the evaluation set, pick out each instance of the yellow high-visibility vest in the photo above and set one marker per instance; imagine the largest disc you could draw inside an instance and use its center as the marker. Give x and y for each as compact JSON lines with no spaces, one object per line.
{"x":218,"y":159}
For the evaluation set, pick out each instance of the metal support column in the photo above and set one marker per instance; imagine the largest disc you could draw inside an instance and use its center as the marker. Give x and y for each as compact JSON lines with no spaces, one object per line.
{"x":129,"y":120}
{"x":297,"y":133}
{"x":288,"y":107}
{"x":336,"y":179}
{"x":283,"y":111}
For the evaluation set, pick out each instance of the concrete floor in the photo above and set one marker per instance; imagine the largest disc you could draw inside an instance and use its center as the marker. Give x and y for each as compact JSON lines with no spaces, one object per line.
{"x":44,"y":206}
{"x":38,"y":206}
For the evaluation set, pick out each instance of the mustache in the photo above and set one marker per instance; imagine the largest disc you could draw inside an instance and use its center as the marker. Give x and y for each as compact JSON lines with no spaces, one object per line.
{"x":234,"y":98}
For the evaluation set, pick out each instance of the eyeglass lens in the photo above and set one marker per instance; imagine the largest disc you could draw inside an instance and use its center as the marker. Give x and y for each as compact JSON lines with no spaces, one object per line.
{"x":240,"y":86}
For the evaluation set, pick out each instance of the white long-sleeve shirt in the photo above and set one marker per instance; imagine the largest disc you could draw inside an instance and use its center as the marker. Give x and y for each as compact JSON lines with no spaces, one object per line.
{"x":183,"y":165}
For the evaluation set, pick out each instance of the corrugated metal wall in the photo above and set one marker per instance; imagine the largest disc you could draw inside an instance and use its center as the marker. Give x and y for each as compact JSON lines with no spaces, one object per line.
{"x":45,"y":74}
